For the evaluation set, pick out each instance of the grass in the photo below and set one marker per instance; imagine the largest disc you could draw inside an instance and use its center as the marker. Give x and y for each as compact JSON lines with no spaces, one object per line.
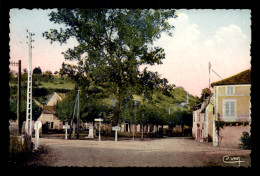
{"x":58,"y":85}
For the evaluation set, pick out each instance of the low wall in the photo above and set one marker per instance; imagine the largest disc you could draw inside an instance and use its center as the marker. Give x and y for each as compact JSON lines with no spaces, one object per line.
{"x":229,"y":136}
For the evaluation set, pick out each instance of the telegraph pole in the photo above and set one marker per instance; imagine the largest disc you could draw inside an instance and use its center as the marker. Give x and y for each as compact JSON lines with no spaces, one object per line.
{"x":28,"y":126}
{"x":209,"y":74}
{"x":19,"y":120}
{"x":78,"y":117}
{"x":72,"y":120}
{"x":19,"y":99}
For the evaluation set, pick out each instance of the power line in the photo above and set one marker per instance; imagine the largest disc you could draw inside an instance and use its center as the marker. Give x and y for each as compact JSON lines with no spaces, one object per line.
{"x":216,"y":74}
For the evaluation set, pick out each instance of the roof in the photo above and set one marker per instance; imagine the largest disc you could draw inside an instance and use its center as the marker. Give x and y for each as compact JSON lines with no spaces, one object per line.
{"x":48,"y":110}
{"x":240,"y":78}
{"x":60,"y":95}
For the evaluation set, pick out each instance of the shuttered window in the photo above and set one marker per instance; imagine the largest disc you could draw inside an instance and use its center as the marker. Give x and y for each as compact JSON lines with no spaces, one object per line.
{"x":226,"y":109}
{"x":229,"y":110}
{"x":230,"y":90}
{"x":232,"y":108}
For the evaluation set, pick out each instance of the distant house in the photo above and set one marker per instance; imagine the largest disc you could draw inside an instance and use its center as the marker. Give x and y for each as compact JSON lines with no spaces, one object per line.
{"x":231,"y":108}
{"x":54,"y":98}
{"x":196,"y":121}
{"x":48,"y":112}
{"x":202,"y":120}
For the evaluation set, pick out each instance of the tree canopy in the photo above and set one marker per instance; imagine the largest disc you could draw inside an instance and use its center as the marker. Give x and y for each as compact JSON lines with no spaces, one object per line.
{"x":37,"y":70}
{"x":112,"y":44}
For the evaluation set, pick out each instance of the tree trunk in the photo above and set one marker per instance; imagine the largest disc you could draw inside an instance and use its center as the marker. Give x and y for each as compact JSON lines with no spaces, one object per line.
{"x":116,"y":111}
{"x":70,"y":128}
{"x":142,"y":132}
{"x":133,"y":131}
{"x":74,"y":129}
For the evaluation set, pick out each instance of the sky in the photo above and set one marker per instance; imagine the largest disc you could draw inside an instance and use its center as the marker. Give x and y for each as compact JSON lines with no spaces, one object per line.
{"x":221,"y":37}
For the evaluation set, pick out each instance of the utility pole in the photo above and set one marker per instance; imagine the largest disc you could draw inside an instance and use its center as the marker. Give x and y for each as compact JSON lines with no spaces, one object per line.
{"x":72,"y":120}
{"x":78,"y":117}
{"x":209,"y":74}
{"x":19,"y":120}
{"x":19,"y":99}
{"x":28,"y":126}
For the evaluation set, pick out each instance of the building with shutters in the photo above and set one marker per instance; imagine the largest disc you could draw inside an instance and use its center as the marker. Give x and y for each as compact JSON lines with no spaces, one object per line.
{"x":231,"y":109}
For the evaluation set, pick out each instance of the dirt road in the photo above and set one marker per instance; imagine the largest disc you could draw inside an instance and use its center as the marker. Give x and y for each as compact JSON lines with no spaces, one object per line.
{"x":169,"y":152}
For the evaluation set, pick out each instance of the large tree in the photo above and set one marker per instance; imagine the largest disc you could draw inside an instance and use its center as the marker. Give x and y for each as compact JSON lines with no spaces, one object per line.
{"x":112,"y":44}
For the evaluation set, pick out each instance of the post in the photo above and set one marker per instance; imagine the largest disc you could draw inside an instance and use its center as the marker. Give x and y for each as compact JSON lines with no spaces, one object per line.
{"x":19,"y":120}
{"x":99,"y":136}
{"x":142,"y":131}
{"x":28,"y":125}
{"x":90,"y":133}
{"x":37,"y":126}
{"x":72,"y":119}
{"x":116,"y":136}
{"x":116,"y":128}
{"x":66,"y":127}
{"x":134,"y":122}
{"x":209,"y":74}
{"x":66,"y":133}
{"x":99,"y":120}
{"x":78,"y":117}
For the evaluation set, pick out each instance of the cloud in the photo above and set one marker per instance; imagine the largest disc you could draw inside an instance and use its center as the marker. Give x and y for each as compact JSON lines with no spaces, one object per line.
{"x":230,"y":37}
{"x":185,"y":33}
{"x":189,"y":51}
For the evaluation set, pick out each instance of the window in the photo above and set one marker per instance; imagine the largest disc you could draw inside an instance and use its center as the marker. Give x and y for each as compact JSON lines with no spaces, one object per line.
{"x":51,"y":125}
{"x":229,"y":110}
{"x":230,"y":90}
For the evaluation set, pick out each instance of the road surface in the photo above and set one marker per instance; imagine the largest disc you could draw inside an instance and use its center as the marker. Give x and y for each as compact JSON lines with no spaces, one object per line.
{"x":166,"y":152}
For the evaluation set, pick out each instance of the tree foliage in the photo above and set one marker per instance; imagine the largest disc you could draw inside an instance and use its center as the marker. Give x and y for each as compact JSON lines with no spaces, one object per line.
{"x":113,"y":43}
{"x":37,"y":70}
{"x":205,"y":93}
{"x":36,"y":110}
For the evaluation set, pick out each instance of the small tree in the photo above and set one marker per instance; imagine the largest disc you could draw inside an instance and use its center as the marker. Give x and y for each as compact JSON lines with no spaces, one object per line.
{"x":47,"y":76}
{"x":246,"y":140}
{"x":37,"y":70}
{"x":205,"y":93}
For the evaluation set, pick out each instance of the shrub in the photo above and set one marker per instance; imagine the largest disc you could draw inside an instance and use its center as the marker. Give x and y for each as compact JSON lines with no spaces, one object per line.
{"x":246,"y":141}
{"x":18,"y":151}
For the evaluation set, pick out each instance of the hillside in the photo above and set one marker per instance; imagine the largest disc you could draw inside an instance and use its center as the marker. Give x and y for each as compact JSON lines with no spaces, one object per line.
{"x":57,"y":83}
{"x":44,"y":87}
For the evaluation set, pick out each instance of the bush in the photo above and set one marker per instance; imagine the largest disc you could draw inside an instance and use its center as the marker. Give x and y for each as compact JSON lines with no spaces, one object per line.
{"x":18,"y":151}
{"x":246,"y":141}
